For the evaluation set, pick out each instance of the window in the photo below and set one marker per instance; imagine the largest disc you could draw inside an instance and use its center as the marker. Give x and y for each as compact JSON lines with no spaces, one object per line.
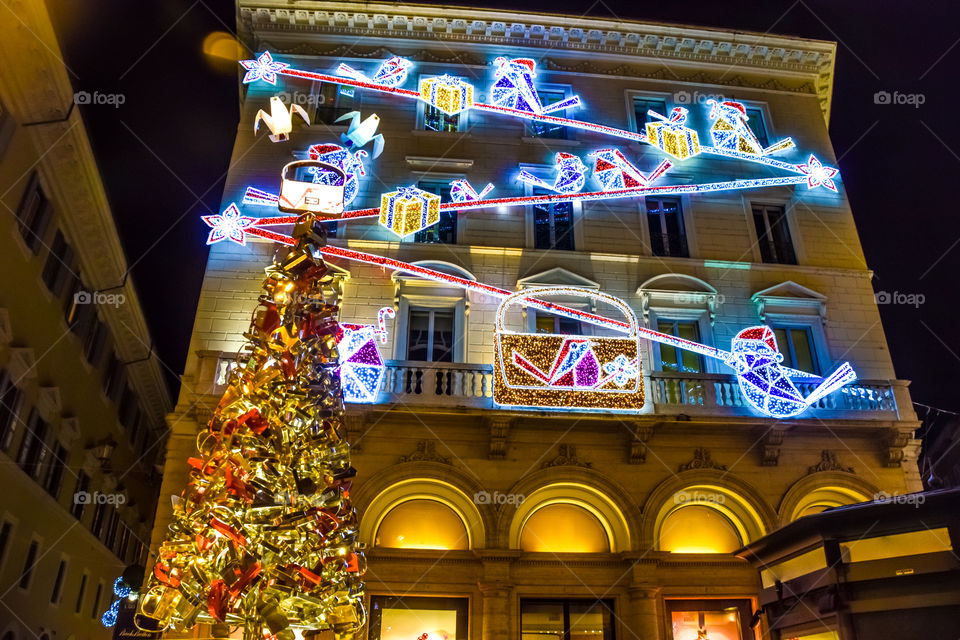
{"x":94,"y":346}
{"x":116,"y":380}
{"x":430,"y":335}
{"x":436,"y":120}
{"x":547,"y":323}
{"x":80,"y":594}
{"x":6,"y":530}
{"x":96,"y":526}
{"x":128,"y":411}
{"x":54,"y":480}
{"x":728,"y":619}
{"x":405,"y":617}
{"x":95,"y":609}
{"x":422,"y":524}
{"x":665,"y":221}
{"x":28,"y":563}
{"x":552,"y":224}
{"x":566,"y":619}
{"x":758,"y":125}
{"x":445,"y":231}
{"x":641,"y":105}
{"x":58,"y":583}
{"x":33,"y":449}
{"x":333,"y":101}
{"x":34,"y":215}
{"x":83,"y":486}
{"x":123,"y":541}
{"x":773,"y":234}
{"x":564,"y":528}
{"x":79,"y":312}
{"x":698,"y":529}
{"x":10,"y":401}
{"x":796,"y":345}
{"x":674,"y":359}
{"x":548,"y":129}
{"x":112,"y":528}
{"x":58,"y":270}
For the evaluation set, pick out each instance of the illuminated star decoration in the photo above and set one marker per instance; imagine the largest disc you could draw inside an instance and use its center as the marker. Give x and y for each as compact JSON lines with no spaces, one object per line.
{"x":622,"y":369}
{"x":228,"y":225}
{"x":818,"y":175}
{"x":263,"y":68}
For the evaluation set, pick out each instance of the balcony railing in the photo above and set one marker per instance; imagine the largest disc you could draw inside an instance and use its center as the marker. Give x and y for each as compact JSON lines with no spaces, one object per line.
{"x":444,"y":384}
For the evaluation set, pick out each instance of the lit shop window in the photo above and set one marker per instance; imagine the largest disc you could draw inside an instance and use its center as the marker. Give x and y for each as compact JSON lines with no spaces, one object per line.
{"x":564,"y":528}
{"x":710,"y":619}
{"x":422,"y":524}
{"x":406,"y":617}
{"x":698,"y":529}
{"x":557,"y":325}
{"x":566,"y":619}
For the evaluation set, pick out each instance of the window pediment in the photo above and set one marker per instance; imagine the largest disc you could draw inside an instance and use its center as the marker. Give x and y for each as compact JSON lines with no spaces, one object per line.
{"x":678,"y":291}
{"x":790,"y":298}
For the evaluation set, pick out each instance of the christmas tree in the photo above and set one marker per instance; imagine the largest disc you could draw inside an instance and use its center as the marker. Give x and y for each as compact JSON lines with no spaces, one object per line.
{"x":264,"y":535}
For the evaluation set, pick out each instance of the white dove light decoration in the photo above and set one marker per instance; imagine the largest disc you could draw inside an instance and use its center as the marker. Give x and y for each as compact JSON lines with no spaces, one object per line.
{"x":279,"y":120}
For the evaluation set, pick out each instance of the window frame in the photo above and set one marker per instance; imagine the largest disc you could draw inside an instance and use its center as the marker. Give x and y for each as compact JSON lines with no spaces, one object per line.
{"x":815,"y":330}
{"x":461,"y":607}
{"x":8,"y":519}
{"x":608,"y":603}
{"x":60,"y":581}
{"x":569,"y":134}
{"x":700,"y":316}
{"x":463,"y":118}
{"x":316,"y":90}
{"x":546,"y":173}
{"x":430,"y":331}
{"x":32,"y":237}
{"x":745,"y":607}
{"x":630,"y":96}
{"x":685,"y":224}
{"x":8,"y":431}
{"x":766,"y":205}
{"x":445,"y":197}
{"x":34,"y":468}
{"x":28,"y":573}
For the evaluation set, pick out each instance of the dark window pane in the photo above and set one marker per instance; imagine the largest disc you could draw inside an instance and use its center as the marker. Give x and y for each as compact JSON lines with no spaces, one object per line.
{"x":58,"y":582}
{"x":569,"y":327}
{"x":33,"y":449}
{"x":436,"y":120}
{"x":665,"y":221}
{"x":758,"y":125}
{"x":96,"y":601}
{"x":642,"y":105}
{"x":83,"y":487}
{"x":547,"y":129}
{"x":333,"y":101}
{"x":418,"y":335}
{"x":54,"y":481}
{"x":445,"y":231}
{"x":563,"y":226}
{"x":781,"y":237}
{"x":5,"y":531}
{"x":34,"y":215}
{"x":552,"y":224}
{"x":58,"y":269}
{"x":10,"y":399}
{"x":28,"y":564}
{"x":83,"y":587}
{"x":541,"y":226}
{"x":442,"y":336}
{"x":803,"y":350}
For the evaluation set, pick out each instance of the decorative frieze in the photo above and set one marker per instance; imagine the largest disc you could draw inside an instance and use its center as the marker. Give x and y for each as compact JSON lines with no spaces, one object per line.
{"x":499,"y":429}
{"x":426,"y":452}
{"x":566,"y":456}
{"x":829,"y":462}
{"x":702,"y":459}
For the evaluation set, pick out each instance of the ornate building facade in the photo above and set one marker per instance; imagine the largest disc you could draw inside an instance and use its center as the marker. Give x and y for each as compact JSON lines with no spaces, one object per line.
{"x":82,"y":396}
{"x":489,"y":522}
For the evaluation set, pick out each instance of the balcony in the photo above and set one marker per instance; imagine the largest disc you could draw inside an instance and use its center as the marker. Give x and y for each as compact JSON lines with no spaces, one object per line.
{"x":470,"y":386}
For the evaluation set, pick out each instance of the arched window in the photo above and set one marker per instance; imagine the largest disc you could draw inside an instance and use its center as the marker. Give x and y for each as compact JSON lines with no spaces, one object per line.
{"x":698,"y":529}
{"x":824,"y":498}
{"x":564,"y":528}
{"x":422,"y":524}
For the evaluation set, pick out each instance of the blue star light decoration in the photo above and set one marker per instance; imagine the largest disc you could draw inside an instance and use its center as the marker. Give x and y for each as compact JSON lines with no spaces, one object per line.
{"x":229,"y":224}
{"x":263,"y":68}
{"x":818,"y":175}
{"x":622,"y":369}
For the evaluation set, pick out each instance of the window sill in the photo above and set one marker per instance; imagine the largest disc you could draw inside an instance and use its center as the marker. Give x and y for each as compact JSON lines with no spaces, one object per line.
{"x":559,"y":142}
{"x":449,"y":135}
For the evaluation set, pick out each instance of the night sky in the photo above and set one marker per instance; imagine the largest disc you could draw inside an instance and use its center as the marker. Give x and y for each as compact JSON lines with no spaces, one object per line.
{"x":165,"y":151}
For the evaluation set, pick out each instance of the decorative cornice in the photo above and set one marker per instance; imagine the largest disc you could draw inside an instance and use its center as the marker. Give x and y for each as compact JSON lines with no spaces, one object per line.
{"x":829,"y":462}
{"x":702,"y":460}
{"x":566,"y":456}
{"x":426,"y":452}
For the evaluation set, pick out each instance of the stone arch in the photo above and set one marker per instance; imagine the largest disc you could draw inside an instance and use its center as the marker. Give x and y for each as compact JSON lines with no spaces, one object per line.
{"x":830,"y":488}
{"x":736,"y":500}
{"x":423,"y":480}
{"x":603,"y":498}
{"x":677,"y":282}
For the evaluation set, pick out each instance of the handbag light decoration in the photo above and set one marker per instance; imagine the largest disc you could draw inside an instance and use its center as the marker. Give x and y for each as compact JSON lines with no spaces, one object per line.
{"x":551,"y":370}
{"x":311,"y":186}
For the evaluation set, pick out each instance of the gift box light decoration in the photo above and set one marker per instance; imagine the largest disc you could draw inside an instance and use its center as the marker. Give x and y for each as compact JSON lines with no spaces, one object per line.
{"x":408,"y":210}
{"x":264,"y":537}
{"x":671,"y":136}
{"x":546,"y":370}
{"x":513,"y":88}
{"x":731,"y":132}
{"x":447,"y":93}
{"x":350,"y":163}
{"x":613,"y":171}
{"x":361,"y":365}
{"x":570,"y":178}
{"x":756,"y":358}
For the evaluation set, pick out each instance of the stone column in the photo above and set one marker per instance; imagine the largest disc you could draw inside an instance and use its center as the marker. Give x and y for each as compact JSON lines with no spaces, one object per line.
{"x":643,"y":620}
{"x":496,"y":623}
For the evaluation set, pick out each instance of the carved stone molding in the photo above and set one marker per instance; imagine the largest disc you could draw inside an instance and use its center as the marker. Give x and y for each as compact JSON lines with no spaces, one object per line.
{"x":566,"y":456}
{"x":426,"y":452}
{"x":499,"y":427}
{"x":702,"y":460}
{"x":829,"y":462}
{"x":640,"y":435}
{"x":771,"y":446}
{"x":894,"y":444}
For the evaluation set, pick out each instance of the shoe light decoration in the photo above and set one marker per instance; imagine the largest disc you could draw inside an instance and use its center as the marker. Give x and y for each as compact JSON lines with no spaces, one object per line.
{"x":280,"y":119}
